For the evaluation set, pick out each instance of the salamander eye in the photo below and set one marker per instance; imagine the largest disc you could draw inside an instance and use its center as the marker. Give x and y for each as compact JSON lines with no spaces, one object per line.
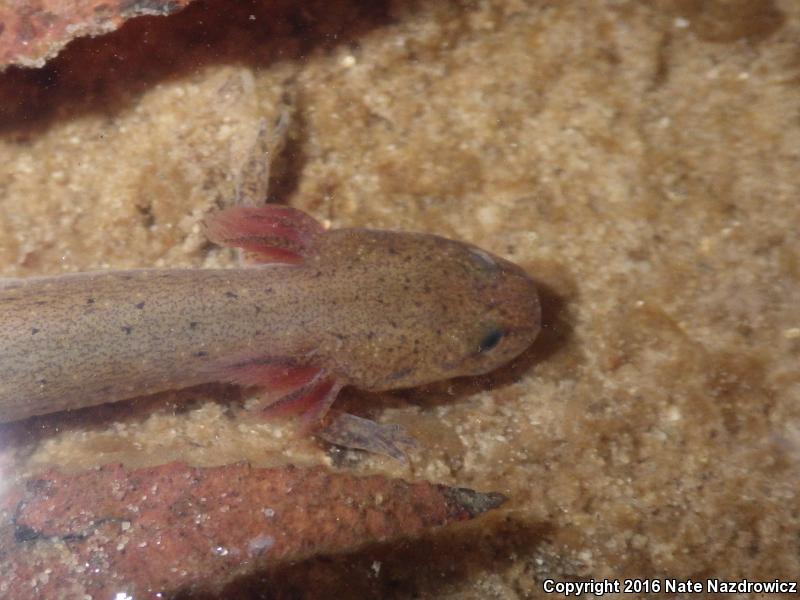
{"x":478,"y":263}
{"x":491,"y":339}
{"x":483,"y":259}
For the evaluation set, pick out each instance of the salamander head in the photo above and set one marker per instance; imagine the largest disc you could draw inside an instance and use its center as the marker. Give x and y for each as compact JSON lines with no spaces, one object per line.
{"x":493,"y":312}
{"x":504,"y":317}
{"x":429,"y":308}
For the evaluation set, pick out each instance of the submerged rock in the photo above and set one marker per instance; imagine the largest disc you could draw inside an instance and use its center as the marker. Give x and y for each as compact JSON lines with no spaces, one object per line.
{"x":174,"y":528}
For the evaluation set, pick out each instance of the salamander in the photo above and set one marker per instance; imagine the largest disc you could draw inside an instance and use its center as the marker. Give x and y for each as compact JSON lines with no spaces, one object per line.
{"x":321,"y":310}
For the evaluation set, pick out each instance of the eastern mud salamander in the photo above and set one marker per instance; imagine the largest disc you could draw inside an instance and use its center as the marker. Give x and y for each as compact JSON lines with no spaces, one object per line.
{"x":327,"y":308}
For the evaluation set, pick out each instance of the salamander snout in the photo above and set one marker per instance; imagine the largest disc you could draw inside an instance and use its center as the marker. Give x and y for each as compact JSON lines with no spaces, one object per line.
{"x":512,"y":318}
{"x":427,"y":308}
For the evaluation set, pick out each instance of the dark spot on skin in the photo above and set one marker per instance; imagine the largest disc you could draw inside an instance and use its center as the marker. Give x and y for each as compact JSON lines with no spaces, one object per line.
{"x":258,"y":310}
{"x":393,"y":324}
{"x":399,"y":374}
{"x":231,"y":295}
{"x":193,"y":325}
{"x":140,"y":305}
{"x":269,"y":289}
{"x":127,"y":329}
{"x":148,"y":218}
{"x":201,"y":354}
{"x":106,"y":389}
{"x":90,"y":301}
{"x":42,"y":382}
{"x":258,"y":333}
{"x":370,"y":335}
{"x":34,"y":331}
{"x":393,"y":250}
{"x":40,"y":302}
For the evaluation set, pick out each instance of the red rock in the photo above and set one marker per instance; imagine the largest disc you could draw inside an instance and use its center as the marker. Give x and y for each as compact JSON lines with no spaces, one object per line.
{"x":175,"y":528}
{"x":32,"y":32}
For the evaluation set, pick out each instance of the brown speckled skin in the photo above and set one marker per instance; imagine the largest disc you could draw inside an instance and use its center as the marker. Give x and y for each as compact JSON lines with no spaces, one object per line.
{"x":375,"y":309}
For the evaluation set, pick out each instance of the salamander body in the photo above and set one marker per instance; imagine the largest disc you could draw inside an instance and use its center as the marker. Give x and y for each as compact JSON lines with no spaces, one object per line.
{"x":373,"y":309}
